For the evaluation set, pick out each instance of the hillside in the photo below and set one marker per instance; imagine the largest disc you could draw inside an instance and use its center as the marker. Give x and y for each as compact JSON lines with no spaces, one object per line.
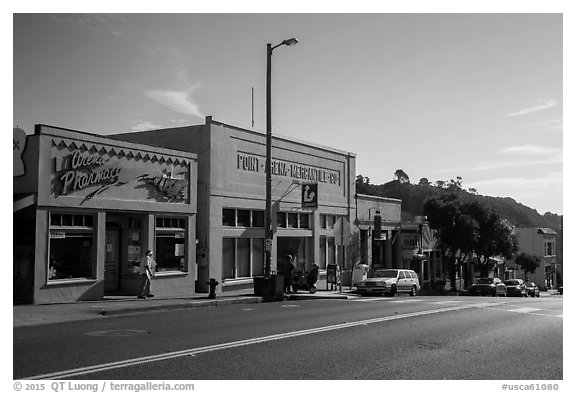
{"x":414,"y":195}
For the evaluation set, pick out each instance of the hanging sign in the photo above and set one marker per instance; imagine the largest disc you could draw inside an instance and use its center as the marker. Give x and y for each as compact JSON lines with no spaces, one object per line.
{"x":310,"y":195}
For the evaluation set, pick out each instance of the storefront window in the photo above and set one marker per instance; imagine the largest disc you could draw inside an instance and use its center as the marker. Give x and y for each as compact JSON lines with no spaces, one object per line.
{"x":258,"y":218}
{"x":323,"y":221}
{"x":228,"y":257}
{"x":330,"y":219}
{"x":331,"y":251}
{"x":257,"y":257}
{"x":281,"y":219}
{"x":71,"y":247}
{"x":229,"y":217}
{"x":305,"y":221}
{"x":243,"y":218}
{"x":322,"y":261}
{"x":292,"y":220}
{"x":242,"y":257}
{"x":170,"y":244}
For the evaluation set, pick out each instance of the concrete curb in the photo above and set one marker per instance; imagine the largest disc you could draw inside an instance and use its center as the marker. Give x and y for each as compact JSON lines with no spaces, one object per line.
{"x":182,"y":306}
{"x":305,"y":296}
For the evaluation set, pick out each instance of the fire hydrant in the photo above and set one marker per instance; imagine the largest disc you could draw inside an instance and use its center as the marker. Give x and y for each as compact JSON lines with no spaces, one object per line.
{"x":212,"y":284}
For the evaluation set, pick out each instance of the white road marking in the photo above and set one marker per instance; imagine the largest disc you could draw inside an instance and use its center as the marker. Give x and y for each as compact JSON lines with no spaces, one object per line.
{"x":525,"y":309}
{"x":447,"y":302}
{"x":234,"y":344}
{"x":530,"y":311}
{"x":371,"y":299}
{"x":407,"y":301}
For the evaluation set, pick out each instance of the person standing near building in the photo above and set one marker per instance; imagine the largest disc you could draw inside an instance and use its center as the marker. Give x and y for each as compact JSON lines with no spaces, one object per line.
{"x":288,"y":269}
{"x":147,"y":271}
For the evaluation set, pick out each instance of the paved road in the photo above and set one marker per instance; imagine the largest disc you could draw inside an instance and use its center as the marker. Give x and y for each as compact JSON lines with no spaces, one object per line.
{"x":366,"y":338}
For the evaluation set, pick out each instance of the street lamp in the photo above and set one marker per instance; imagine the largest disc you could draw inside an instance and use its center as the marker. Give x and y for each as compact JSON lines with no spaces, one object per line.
{"x":268,"y":213}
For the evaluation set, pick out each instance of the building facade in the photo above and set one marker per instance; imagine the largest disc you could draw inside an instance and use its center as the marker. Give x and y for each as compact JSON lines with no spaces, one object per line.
{"x":231,"y":200}
{"x":86,"y":207}
{"x":540,"y":242}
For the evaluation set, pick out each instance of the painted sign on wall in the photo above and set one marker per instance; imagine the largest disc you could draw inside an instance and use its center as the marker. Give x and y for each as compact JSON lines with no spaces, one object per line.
{"x":252,"y":163}
{"x":82,"y":170}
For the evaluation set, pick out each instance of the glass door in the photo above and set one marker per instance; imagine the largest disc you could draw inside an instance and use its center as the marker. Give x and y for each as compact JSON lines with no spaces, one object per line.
{"x":112,"y":261}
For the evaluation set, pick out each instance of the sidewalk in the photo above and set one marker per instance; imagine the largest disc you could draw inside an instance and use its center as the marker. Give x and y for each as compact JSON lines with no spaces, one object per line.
{"x":41,"y":314}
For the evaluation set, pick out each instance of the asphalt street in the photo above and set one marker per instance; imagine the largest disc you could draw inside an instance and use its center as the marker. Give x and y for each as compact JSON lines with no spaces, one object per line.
{"x":400,"y":338}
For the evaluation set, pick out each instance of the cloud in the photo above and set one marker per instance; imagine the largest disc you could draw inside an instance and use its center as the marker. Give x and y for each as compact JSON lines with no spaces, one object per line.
{"x":178,"y":101}
{"x":551,"y":124}
{"x":554,"y":179}
{"x":96,"y":23}
{"x":531,"y":149}
{"x":546,"y":104}
{"x":145,"y":125}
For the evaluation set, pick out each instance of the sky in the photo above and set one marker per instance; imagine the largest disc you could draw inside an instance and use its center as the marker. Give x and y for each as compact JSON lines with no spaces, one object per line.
{"x":438,"y":95}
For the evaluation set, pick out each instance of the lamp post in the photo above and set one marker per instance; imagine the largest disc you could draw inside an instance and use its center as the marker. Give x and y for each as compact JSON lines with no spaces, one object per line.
{"x":268,"y":213}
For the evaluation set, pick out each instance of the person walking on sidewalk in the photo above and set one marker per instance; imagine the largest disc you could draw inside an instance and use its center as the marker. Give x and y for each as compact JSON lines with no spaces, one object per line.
{"x":288,"y":270}
{"x":147,"y":271}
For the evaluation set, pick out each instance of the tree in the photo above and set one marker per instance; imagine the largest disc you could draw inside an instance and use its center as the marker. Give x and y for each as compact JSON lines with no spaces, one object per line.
{"x":424,"y":182}
{"x":402,"y":176}
{"x":363,"y":185}
{"x":528,"y":262}
{"x":456,"y":230}
{"x":495,"y":238}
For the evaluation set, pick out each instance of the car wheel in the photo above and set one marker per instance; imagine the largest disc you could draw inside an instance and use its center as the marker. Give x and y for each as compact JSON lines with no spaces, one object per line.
{"x":538,"y":295}
{"x":393,"y":290}
{"x":413,"y":291}
{"x":295,"y":288}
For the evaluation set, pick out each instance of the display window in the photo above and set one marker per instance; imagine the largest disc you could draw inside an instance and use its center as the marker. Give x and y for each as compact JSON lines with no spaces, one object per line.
{"x":171,"y":244}
{"x":242,"y":257}
{"x":71,"y":246}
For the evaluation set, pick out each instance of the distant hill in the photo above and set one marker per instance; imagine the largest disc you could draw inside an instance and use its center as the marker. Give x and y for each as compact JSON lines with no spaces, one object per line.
{"x":414,"y":195}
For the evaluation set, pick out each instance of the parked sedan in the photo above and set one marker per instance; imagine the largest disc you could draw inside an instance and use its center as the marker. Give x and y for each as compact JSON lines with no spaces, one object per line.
{"x":389,"y":282}
{"x":515,"y":287}
{"x":488,"y":286}
{"x":532,"y":289}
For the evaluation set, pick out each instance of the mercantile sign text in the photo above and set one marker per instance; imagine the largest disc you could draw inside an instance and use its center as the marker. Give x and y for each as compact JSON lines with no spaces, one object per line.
{"x":252,"y":163}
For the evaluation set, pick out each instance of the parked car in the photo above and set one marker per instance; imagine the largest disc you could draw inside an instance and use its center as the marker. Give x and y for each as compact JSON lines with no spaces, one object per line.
{"x":488,"y":286}
{"x":515,"y":287}
{"x":532,"y":289}
{"x":389,"y":282}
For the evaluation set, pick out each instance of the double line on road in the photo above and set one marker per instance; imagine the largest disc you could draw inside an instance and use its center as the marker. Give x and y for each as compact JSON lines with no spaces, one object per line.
{"x":234,"y":344}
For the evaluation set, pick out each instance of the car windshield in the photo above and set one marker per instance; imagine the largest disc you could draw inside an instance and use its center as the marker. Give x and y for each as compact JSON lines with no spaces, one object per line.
{"x":512,"y":282}
{"x":485,"y":281}
{"x":383,"y":273}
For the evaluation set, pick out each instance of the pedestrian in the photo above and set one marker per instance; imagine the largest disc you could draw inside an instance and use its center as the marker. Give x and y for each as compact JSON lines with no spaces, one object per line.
{"x":313,"y":275}
{"x":147,"y":271}
{"x":360,"y":272}
{"x":288,"y":269}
